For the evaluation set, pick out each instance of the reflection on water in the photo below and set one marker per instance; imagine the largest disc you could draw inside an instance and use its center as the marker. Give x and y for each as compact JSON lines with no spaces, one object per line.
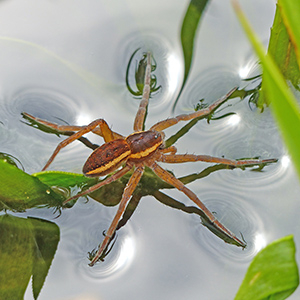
{"x":259,"y":242}
{"x":83,"y":119}
{"x":175,"y":71}
{"x":285,"y":161}
{"x":233,"y":120}
{"x":127,"y":252}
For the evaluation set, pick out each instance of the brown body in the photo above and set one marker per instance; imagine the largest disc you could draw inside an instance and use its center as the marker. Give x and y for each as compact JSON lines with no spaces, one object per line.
{"x":135,"y":148}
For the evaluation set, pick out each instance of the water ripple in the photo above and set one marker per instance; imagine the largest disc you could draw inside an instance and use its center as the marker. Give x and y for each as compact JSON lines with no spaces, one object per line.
{"x":210,"y":85}
{"x":262,"y":147}
{"x":241,"y":218}
{"x":43,"y":103}
{"x":87,"y":237}
{"x":116,"y":263}
{"x":168,"y":72}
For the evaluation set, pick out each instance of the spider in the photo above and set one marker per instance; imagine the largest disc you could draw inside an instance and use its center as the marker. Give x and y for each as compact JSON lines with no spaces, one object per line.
{"x":143,"y":148}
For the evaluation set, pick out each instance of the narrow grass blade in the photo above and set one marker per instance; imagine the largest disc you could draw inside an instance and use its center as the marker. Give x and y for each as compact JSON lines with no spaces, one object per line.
{"x":188,"y":31}
{"x":283,"y":103}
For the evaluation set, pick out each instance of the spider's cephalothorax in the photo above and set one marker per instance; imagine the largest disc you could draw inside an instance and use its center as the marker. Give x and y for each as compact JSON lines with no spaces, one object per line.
{"x":139,"y":150}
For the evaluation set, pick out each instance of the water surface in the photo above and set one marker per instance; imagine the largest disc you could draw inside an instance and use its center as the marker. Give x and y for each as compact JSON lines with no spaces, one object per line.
{"x":66,"y":62}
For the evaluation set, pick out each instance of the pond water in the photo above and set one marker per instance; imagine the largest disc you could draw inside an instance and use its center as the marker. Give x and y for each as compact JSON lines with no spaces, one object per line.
{"x":66,"y":60}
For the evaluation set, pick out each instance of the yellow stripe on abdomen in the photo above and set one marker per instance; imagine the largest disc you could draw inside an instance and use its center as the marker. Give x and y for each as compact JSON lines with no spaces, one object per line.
{"x":107,"y":158}
{"x":110,"y":165}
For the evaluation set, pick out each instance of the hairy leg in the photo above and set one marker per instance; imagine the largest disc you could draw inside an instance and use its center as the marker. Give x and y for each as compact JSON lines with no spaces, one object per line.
{"x":68,"y":128}
{"x":129,"y":189}
{"x":169,"y":178}
{"x":140,"y":115}
{"x":108,"y":180}
{"x":186,"y":117}
{"x":182,"y":158}
{"x":171,"y":149}
{"x":107,"y":134}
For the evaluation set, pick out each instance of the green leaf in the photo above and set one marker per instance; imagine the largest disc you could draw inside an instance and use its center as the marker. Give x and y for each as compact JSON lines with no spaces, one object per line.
{"x":108,"y":195}
{"x":27,"y":248}
{"x":15,"y":256}
{"x":188,"y":31}
{"x":20,"y":191}
{"x":282,"y":50}
{"x":284,"y":105}
{"x":64,"y":179}
{"x":273,"y":273}
{"x":290,"y":14}
{"x":46,"y":237}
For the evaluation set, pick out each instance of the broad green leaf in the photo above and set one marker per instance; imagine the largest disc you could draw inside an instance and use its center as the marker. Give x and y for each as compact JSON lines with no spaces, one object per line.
{"x":46,"y":237}
{"x":282,"y":50}
{"x":27,"y":248}
{"x":10,"y":159}
{"x":15,"y":256}
{"x":64,"y":179}
{"x":273,"y":273}
{"x":290,"y":14}
{"x":188,"y":31}
{"x":283,"y":103}
{"x":20,"y":191}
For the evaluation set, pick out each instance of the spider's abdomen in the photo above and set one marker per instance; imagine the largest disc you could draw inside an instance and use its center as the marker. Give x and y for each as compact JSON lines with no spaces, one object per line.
{"x":107,"y":158}
{"x":143,"y":144}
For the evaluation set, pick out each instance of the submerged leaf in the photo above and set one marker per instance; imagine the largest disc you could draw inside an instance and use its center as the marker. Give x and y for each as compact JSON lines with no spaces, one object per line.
{"x":140,"y":71}
{"x":46,"y":237}
{"x":16,"y":243}
{"x":27,"y":248}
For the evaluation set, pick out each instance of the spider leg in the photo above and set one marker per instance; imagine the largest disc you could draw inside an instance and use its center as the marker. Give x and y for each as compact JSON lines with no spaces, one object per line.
{"x":140,"y":115}
{"x":171,"y":149}
{"x":186,"y":117}
{"x":169,"y":178}
{"x":182,"y":158}
{"x":108,"y":180}
{"x":69,"y":128}
{"x":130,"y":209}
{"x":107,"y":135}
{"x":129,"y":189}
